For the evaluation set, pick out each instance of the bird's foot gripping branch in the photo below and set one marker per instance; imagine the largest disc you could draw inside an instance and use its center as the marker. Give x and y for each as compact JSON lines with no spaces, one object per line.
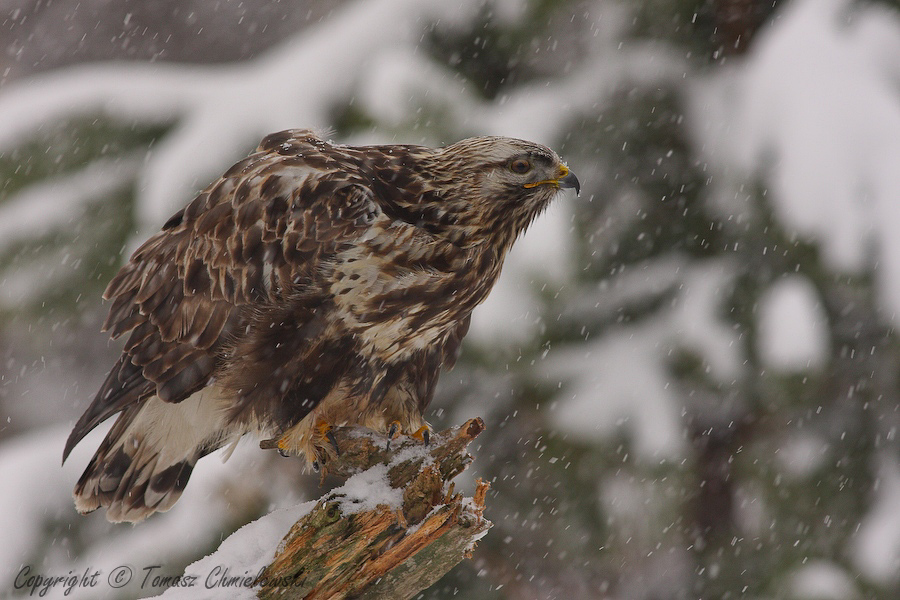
{"x":398,"y":504}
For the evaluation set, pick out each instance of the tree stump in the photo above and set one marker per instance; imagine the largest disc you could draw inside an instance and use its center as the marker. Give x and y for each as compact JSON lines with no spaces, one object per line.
{"x":346,"y":548}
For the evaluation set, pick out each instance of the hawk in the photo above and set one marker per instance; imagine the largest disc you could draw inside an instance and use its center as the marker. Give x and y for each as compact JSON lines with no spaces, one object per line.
{"x":313,"y":285}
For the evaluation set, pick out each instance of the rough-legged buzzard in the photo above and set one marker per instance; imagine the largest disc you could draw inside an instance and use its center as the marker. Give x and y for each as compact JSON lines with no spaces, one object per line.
{"x":312,"y":285}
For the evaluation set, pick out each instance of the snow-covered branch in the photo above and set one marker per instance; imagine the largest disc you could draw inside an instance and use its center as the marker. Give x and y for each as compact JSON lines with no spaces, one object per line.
{"x":394,"y":528}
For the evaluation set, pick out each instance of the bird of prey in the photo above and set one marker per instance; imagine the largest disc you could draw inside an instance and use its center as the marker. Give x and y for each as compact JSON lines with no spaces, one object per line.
{"x":313,"y":285}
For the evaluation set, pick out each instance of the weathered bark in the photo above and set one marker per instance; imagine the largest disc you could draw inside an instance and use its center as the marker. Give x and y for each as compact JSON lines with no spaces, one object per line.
{"x":390,"y":552}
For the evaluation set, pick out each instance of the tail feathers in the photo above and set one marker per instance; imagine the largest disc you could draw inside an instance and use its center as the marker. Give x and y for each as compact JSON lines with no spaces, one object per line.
{"x":132,"y":487}
{"x":144,"y":464}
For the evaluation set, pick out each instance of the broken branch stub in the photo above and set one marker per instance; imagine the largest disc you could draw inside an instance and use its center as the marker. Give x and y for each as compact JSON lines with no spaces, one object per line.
{"x":395,"y":549}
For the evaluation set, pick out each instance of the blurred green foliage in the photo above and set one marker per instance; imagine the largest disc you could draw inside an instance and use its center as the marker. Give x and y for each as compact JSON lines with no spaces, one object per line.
{"x":84,"y":255}
{"x":494,"y":55}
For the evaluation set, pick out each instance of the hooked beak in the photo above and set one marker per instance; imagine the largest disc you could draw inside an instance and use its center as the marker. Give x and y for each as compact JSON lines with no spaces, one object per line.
{"x":568,"y":180}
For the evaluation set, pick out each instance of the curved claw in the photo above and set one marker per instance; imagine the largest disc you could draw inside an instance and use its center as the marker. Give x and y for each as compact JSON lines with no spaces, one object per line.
{"x":333,"y":441}
{"x":327,"y":431}
{"x":391,"y":434}
{"x":424,"y":434}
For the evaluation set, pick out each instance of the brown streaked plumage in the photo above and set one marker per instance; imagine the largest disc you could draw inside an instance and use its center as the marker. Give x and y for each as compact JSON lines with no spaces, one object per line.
{"x":311,"y":284}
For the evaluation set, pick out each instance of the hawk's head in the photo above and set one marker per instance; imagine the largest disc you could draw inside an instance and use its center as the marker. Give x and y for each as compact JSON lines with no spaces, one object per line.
{"x":495,"y":186}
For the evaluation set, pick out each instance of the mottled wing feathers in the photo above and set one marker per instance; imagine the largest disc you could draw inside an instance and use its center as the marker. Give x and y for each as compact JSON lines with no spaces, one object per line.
{"x":261,"y":231}
{"x":299,"y":341}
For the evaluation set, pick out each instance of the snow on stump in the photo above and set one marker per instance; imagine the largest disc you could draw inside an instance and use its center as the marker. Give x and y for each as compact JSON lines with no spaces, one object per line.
{"x":392,"y":530}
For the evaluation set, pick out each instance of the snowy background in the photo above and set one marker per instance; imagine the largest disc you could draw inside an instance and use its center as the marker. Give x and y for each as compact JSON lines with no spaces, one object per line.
{"x":689,"y":374}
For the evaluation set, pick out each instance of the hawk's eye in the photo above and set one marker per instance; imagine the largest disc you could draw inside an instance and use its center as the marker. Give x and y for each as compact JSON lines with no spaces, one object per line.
{"x":520,"y":166}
